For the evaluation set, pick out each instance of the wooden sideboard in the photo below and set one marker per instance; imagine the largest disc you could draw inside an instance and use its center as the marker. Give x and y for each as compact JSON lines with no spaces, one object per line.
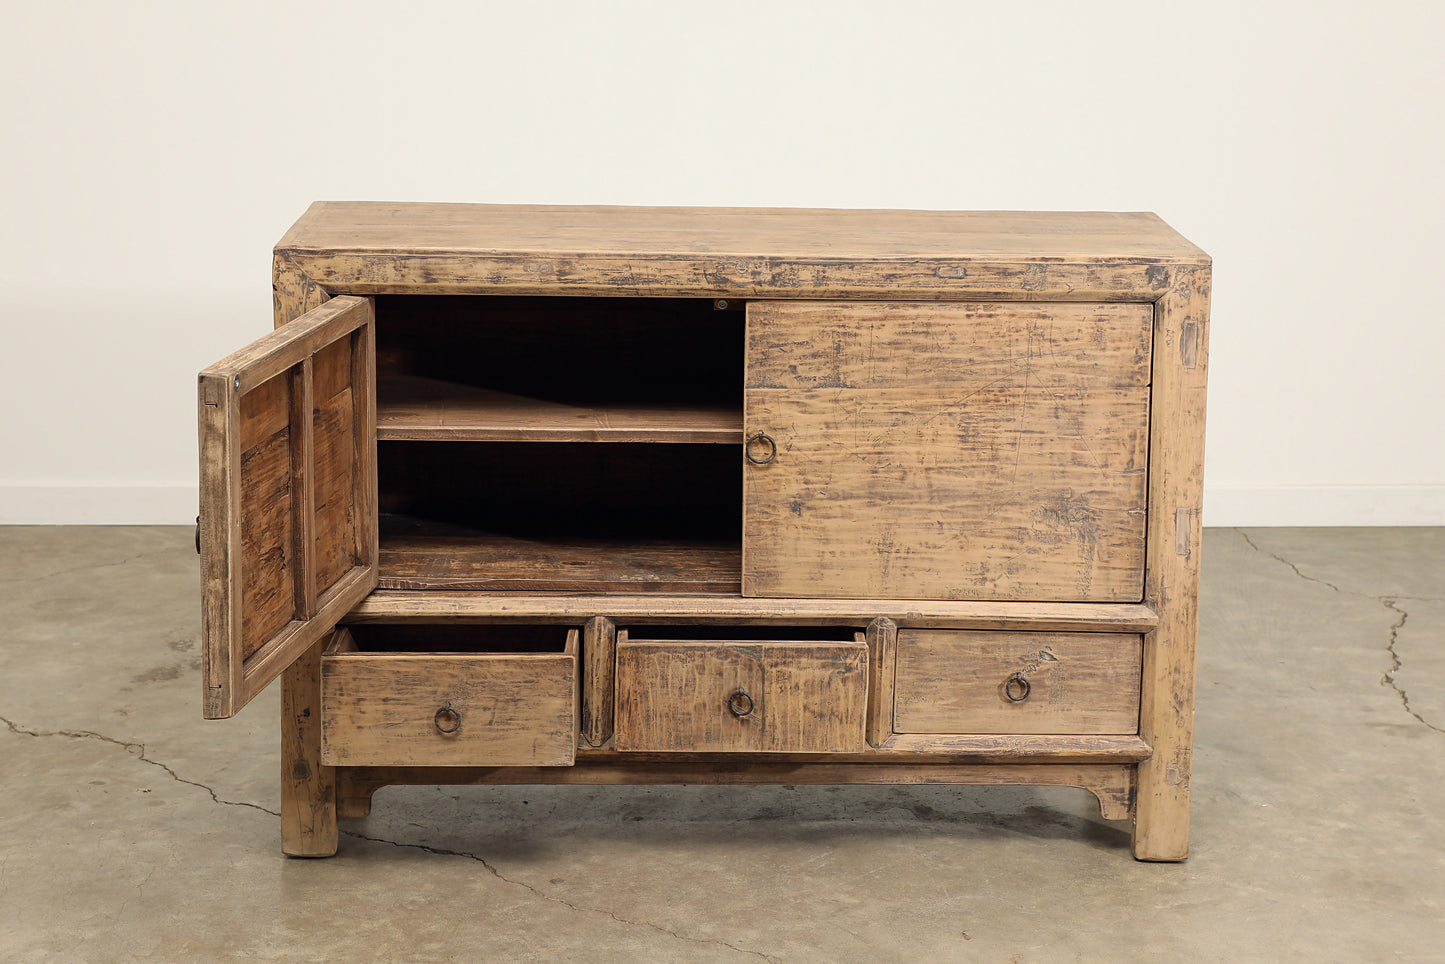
{"x":519,"y":494}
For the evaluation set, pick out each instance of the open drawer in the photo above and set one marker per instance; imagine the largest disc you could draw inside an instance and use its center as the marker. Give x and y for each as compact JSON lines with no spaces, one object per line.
{"x":757,"y":690}
{"x":449,"y":695}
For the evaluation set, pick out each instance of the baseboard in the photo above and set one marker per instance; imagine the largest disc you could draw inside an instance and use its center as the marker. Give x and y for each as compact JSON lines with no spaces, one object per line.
{"x":98,"y":504}
{"x":1283,"y":505}
{"x":1324,"y":505}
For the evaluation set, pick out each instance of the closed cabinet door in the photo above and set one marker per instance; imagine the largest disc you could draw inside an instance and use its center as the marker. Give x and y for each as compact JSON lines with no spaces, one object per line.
{"x":946,"y":451}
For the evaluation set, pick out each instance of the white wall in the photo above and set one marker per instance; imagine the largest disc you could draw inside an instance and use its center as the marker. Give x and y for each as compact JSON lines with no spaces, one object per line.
{"x":153,"y":153}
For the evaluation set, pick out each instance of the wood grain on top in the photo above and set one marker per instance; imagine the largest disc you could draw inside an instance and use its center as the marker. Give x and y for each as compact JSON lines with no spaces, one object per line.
{"x":776,"y":233}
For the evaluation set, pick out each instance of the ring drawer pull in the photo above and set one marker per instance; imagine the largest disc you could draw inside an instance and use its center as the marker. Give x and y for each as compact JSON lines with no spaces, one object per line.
{"x":760,"y":437}
{"x":740,"y":704}
{"x":1016,"y":688}
{"x":448,"y":720}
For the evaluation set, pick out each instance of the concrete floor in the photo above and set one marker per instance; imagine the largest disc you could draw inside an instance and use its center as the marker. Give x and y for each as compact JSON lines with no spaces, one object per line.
{"x":132,"y":829}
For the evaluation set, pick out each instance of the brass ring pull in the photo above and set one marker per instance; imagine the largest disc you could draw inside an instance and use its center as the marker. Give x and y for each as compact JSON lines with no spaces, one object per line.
{"x":448,"y":720}
{"x":1016,"y":688}
{"x":760,"y":437}
{"x":740,"y":704}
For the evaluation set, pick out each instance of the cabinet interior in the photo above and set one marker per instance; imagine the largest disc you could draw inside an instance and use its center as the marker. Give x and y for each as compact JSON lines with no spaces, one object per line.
{"x":455,"y":638}
{"x":559,"y":444}
{"x":489,"y":368}
{"x":770,"y":634}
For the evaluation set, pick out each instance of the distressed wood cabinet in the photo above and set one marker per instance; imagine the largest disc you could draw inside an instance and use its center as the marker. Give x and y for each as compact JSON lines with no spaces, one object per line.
{"x":614,"y":495}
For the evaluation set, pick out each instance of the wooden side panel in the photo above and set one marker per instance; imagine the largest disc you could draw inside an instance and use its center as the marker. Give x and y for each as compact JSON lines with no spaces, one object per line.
{"x":510,"y":709}
{"x":741,"y":696}
{"x":947,"y":451}
{"x":958,"y":682}
{"x":1176,"y":482}
{"x":288,"y":496}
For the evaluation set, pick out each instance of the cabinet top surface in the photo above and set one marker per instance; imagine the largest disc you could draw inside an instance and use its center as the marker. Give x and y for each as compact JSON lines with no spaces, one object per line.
{"x":369,"y":227}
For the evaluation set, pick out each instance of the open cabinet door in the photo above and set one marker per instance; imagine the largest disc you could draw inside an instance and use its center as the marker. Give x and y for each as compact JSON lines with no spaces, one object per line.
{"x":288,"y":496}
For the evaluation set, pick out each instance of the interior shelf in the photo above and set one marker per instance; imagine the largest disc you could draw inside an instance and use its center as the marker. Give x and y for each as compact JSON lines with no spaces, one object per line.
{"x":530,"y":516}
{"x":424,"y":554}
{"x":514,"y":369}
{"x":431,"y":409}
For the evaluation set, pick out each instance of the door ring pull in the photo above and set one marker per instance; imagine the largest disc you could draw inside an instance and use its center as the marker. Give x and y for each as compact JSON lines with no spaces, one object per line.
{"x":760,"y":437}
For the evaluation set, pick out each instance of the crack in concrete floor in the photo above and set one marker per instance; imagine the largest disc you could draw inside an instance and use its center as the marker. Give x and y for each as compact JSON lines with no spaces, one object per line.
{"x":1389,"y":602}
{"x":138,"y":751}
{"x":1396,"y":664}
{"x":19,"y":730}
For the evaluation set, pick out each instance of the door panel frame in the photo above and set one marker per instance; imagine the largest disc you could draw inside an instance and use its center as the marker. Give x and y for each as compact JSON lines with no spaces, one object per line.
{"x":231,"y":678}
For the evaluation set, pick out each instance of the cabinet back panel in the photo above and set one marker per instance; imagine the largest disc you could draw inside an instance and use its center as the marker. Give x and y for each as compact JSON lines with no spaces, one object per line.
{"x":458,"y":638}
{"x":578,"y":489}
{"x":585,"y":351}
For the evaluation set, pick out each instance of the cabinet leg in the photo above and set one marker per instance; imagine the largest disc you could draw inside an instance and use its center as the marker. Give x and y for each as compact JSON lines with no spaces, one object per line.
{"x":1161,"y":820}
{"x":308,"y":789}
{"x":1161,"y":808}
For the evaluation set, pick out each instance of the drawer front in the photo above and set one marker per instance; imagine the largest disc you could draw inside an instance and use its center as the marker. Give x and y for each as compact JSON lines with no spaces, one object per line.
{"x":740,"y":696}
{"x":989,"y":682}
{"x":946,"y":451}
{"x":449,"y":708}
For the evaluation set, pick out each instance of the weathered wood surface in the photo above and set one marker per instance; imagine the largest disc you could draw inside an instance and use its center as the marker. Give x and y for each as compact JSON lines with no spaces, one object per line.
{"x":274,"y":580}
{"x":947,"y":451}
{"x":724,"y":609}
{"x":797,"y":696}
{"x":380,"y":709}
{"x":293,"y":292}
{"x":825,"y":233}
{"x":269,"y":460}
{"x":599,"y":669}
{"x":333,"y":415}
{"x":809,"y":256}
{"x":1176,"y":480}
{"x":412,"y":407}
{"x":353,"y":793}
{"x":308,"y":786}
{"x":882,"y":654}
{"x":1111,"y":783}
{"x":1017,"y":748}
{"x":422,"y":555}
{"x":374,"y":248}
{"x":954,"y":682}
